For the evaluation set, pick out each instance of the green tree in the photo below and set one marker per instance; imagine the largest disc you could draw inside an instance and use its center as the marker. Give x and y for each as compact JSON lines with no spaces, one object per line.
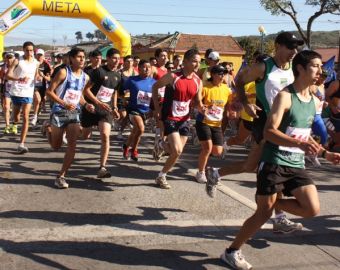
{"x":99,"y":35}
{"x":250,"y":45}
{"x":286,"y":8}
{"x":79,"y":36}
{"x":90,"y":36}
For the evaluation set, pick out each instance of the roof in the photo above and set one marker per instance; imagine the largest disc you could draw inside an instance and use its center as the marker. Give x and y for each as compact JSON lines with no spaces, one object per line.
{"x":327,"y":53}
{"x":180,"y":42}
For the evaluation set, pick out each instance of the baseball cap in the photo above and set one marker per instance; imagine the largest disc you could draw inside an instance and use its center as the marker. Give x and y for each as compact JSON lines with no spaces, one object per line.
{"x":289,"y":40}
{"x":218,"y":69}
{"x":214,"y":56}
{"x":40,"y":51}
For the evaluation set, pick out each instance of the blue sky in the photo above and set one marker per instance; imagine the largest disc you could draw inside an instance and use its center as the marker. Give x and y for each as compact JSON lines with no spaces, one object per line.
{"x":222,"y":17}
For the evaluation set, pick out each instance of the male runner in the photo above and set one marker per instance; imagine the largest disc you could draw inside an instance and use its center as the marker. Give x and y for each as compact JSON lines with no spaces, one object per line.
{"x":187,"y":87}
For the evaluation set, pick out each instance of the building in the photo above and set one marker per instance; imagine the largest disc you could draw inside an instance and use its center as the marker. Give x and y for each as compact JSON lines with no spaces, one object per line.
{"x":178,"y":43}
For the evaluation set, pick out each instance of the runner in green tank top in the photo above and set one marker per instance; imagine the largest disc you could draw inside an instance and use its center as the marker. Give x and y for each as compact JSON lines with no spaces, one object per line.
{"x":287,"y":135}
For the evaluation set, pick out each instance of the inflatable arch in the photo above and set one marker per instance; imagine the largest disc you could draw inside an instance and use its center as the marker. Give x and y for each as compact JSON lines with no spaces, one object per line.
{"x":79,"y":9}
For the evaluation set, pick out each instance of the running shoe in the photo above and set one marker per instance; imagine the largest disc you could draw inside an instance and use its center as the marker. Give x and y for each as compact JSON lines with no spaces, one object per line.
{"x":34,"y":120}
{"x":158,"y":150}
{"x":236,"y":260}
{"x":22,"y":149}
{"x":134,"y":155}
{"x":284,"y":225}
{"x":125,"y":151}
{"x":200,"y":177}
{"x":14,"y":129}
{"x":64,"y":139}
{"x":7,"y":130}
{"x":120,"y":136}
{"x":226,"y":148}
{"x":162,"y":183}
{"x":60,"y":182}
{"x":44,"y":128}
{"x":103,"y":173}
{"x":212,"y":181}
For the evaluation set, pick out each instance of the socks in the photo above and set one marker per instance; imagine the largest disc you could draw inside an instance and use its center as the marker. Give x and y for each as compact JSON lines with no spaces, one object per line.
{"x":161,"y":174}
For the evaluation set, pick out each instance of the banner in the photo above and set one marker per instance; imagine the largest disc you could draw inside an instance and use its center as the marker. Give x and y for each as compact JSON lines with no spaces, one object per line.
{"x":12,"y":16}
{"x":329,"y":67}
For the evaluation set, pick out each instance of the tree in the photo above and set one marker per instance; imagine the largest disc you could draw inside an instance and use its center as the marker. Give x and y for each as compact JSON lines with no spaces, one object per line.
{"x":90,"y":36}
{"x":99,"y":35}
{"x":286,"y":7}
{"x":250,"y":45}
{"x":79,"y":36}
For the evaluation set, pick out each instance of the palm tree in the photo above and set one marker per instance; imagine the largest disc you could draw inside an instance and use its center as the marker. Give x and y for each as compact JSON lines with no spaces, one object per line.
{"x":79,"y":36}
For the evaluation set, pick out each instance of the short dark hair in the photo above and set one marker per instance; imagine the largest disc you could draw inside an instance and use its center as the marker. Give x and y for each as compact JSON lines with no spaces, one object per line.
{"x":142,"y":62}
{"x":136,"y":57}
{"x":95,"y":53}
{"x":127,"y":57}
{"x":303,"y":58}
{"x":112,"y":51}
{"x":159,"y":51}
{"x":27,"y":43}
{"x":152,"y":58}
{"x":207,"y":52}
{"x":74,"y":51}
{"x":190,"y":53}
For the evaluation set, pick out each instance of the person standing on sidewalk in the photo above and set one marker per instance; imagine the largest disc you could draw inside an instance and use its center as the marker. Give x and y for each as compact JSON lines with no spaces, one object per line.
{"x":287,"y":134}
{"x":270,"y":75}
{"x":186,"y":87}
{"x":102,"y":91}
{"x":22,"y":73}
{"x":66,"y":92}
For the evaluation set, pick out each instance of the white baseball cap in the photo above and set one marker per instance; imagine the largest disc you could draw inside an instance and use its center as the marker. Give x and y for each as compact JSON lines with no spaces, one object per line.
{"x":214,"y":56}
{"x":40,"y":51}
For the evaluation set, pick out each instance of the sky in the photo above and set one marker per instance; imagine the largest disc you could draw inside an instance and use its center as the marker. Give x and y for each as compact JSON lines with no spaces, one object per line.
{"x":220,"y":17}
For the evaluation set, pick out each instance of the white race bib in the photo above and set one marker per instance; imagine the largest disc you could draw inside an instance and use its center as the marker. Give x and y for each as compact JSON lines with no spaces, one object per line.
{"x":105,"y":94}
{"x":215,"y":113}
{"x":180,"y":108}
{"x":301,"y":134}
{"x":72,"y":96}
{"x":143,"y":98}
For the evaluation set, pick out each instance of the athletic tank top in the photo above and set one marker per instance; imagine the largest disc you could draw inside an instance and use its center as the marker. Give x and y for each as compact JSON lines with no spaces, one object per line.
{"x":215,"y":98}
{"x":70,"y":90}
{"x":24,"y":69}
{"x":274,"y":80}
{"x":296,"y":123}
{"x":161,"y":91}
{"x":176,"y":104}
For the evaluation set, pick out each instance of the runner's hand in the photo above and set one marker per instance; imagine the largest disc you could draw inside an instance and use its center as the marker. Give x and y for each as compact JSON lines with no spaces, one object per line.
{"x":251,"y":109}
{"x":115,"y":114}
{"x":311,"y":148}
{"x":203,"y":109}
{"x":70,"y":106}
{"x":90,"y":108}
{"x":333,"y":157}
{"x":105,"y":106}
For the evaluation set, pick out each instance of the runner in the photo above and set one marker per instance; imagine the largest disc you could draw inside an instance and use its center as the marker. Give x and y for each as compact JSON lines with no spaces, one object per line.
{"x":287,"y":134}
{"x":66,"y":93}
{"x":212,"y":59}
{"x":271,"y":75}
{"x":101,"y":91}
{"x":95,"y":62}
{"x":215,"y":98}
{"x":177,"y":61}
{"x":140,"y":88}
{"x":136,"y":61}
{"x":175,"y":112}
{"x":5,"y":88}
{"x":22,"y":73}
{"x":41,"y":83}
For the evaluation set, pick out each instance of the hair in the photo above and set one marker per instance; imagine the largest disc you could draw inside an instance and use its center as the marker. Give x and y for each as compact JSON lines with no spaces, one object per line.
{"x":176,"y":56}
{"x":168,"y":64}
{"x":27,"y":43}
{"x":152,"y":58}
{"x":127,"y":57}
{"x":303,"y":58}
{"x":159,"y":51}
{"x":190,"y":53}
{"x":111,"y":52}
{"x":95,"y":53}
{"x":136,"y":57}
{"x":207,"y":52}
{"x":74,"y":51}
{"x":142,"y":62}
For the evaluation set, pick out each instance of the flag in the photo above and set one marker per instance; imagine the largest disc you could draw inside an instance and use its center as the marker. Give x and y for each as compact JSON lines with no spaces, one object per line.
{"x":329,"y":67}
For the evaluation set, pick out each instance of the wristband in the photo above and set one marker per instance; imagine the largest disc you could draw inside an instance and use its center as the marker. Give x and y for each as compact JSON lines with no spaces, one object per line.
{"x":323,"y":154}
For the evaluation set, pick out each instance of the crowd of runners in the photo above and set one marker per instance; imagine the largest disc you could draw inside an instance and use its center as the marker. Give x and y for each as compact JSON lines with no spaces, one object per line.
{"x":278,"y":105}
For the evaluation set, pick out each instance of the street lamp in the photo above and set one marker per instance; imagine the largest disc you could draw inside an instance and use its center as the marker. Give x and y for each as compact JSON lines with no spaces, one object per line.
{"x":262,"y":33}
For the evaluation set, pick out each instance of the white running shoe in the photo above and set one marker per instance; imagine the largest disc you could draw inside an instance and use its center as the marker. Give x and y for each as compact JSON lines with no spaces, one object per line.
{"x":34,"y":120}
{"x":60,"y":182}
{"x":103,"y":173}
{"x":200,"y":177}
{"x":284,"y":225}
{"x":22,"y":149}
{"x":236,"y":260}
{"x":64,"y":138}
{"x":162,"y":183}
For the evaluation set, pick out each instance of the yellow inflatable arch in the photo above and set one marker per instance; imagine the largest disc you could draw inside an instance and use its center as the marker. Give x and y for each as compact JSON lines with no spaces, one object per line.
{"x":79,"y":9}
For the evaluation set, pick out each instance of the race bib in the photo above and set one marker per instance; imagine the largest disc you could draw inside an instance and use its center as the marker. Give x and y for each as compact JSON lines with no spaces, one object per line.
{"x":105,"y":94}
{"x":72,"y":96}
{"x":161,"y":92}
{"x":301,"y":134}
{"x":215,"y":113}
{"x":143,"y":98}
{"x":180,"y":108}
